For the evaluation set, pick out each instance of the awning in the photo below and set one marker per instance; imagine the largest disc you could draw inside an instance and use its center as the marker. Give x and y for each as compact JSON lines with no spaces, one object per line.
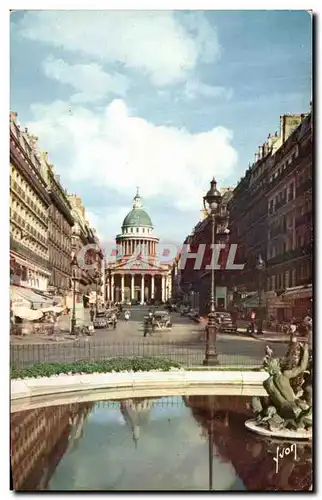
{"x":44,"y":298}
{"x":251,"y":302}
{"x":298,"y":292}
{"x":17,"y":299}
{"x":26,"y":295}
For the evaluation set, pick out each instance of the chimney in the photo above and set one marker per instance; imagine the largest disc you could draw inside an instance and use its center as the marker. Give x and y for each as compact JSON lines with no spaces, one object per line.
{"x":13,"y":116}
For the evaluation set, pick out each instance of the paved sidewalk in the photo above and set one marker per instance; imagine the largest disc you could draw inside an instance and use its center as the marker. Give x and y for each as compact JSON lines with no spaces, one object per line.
{"x":268,"y":335}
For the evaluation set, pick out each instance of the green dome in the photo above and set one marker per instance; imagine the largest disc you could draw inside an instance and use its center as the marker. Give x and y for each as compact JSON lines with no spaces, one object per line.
{"x":137,"y":218}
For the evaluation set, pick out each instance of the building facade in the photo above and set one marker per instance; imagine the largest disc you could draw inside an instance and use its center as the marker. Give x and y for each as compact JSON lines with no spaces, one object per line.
{"x":290,"y":226}
{"x":86,"y":280}
{"x":248,"y":209}
{"x":60,"y":223}
{"x":136,"y":273}
{"x":29,"y":201}
{"x":195,"y":284}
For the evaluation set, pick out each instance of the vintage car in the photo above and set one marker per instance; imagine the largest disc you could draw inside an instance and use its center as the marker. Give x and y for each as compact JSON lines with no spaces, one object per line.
{"x":100,"y":319}
{"x":225,"y":322}
{"x":161,"y":320}
{"x":184,"y":310}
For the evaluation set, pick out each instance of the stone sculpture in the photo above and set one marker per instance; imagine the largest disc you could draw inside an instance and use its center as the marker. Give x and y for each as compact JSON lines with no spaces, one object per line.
{"x":287,"y":408}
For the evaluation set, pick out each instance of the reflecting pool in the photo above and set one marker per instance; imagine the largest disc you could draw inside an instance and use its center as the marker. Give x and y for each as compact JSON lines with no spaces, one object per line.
{"x":152,"y":444}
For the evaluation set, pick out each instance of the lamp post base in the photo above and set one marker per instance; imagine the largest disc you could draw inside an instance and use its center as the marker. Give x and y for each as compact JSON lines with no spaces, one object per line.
{"x":211,"y":360}
{"x":72,"y":326}
{"x":211,"y":356}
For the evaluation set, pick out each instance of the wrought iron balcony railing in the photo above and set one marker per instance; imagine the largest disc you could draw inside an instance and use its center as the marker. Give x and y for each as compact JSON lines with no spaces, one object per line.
{"x":16,"y":246}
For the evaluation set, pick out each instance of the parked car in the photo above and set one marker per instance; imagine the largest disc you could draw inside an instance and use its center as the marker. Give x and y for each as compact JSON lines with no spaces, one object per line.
{"x":184,"y":310}
{"x":161,"y":320}
{"x":225,"y":322}
{"x":100,"y":320}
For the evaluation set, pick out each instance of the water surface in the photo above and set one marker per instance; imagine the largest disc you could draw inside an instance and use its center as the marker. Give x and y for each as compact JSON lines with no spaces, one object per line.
{"x":151,"y":444}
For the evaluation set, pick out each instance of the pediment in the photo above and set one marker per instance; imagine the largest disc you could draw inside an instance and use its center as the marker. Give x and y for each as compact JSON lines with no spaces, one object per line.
{"x":138,"y":264}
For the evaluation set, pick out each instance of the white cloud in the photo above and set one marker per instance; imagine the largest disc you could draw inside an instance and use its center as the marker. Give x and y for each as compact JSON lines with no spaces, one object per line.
{"x":90,"y":80}
{"x":160,"y":43}
{"x":107,"y":223}
{"x":194,"y":88}
{"x":112,"y":148}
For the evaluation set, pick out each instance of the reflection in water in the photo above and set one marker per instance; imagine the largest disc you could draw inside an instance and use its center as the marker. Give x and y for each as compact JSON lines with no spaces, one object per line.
{"x":39,"y":439}
{"x":190,"y":443}
{"x":251,"y":455}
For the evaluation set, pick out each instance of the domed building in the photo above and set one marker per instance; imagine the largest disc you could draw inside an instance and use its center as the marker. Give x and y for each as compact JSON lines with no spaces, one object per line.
{"x":136,"y":275}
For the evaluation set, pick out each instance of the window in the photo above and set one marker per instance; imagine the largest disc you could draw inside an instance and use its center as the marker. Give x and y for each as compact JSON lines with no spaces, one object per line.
{"x":137,"y":229}
{"x":286,"y":279}
{"x":300,"y":241}
{"x":268,"y":284}
{"x":290,"y":192}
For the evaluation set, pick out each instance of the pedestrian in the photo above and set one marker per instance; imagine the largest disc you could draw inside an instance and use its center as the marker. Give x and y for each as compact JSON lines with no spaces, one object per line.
{"x":145,"y":327}
{"x":293,"y":329}
{"x":252,"y":322}
{"x":309,"y":329}
{"x":114,"y":319}
{"x":91,"y":313}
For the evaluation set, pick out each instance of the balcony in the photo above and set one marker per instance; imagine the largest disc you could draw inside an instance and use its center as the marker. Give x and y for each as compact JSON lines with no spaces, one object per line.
{"x":18,"y":247}
{"x":304,"y":220}
{"x":288,"y":170}
{"x":291,"y":254}
{"x":280,"y":204}
{"x":23,"y":164}
{"x":276,"y":231}
{"x":304,"y":187}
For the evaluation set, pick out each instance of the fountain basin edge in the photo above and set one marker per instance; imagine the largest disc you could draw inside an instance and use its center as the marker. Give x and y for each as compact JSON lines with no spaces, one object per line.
{"x":234,"y":382}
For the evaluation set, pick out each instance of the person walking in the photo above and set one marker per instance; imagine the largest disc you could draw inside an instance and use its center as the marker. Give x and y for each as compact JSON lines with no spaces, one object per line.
{"x":91,"y":313}
{"x":309,"y":330}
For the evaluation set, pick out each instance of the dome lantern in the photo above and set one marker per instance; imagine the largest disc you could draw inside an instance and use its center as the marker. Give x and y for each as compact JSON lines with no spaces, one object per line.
{"x":137,"y":200}
{"x":137,"y":217}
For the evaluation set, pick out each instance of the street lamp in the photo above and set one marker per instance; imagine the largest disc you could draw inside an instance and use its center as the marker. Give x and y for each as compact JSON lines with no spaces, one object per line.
{"x":211,"y":203}
{"x":260,"y":266}
{"x":97,"y":278}
{"x":73,"y":320}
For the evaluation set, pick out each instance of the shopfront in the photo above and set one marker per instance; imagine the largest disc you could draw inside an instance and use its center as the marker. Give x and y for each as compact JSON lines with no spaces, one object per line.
{"x":299,"y":299}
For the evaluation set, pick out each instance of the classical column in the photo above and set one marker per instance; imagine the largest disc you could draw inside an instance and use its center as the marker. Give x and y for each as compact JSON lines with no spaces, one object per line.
{"x":163,"y":288}
{"x":112,"y":288}
{"x":132,"y":286}
{"x":170,"y":286}
{"x":122,"y":287}
{"x":108,"y":289}
{"x":152,"y":286}
{"x":142,"y":288}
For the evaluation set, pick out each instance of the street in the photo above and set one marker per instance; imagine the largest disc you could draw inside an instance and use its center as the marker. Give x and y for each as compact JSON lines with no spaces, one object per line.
{"x":185,"y":343}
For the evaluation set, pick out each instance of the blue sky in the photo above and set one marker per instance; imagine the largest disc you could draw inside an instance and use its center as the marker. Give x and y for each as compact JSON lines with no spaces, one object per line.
{"x":163,"y":100}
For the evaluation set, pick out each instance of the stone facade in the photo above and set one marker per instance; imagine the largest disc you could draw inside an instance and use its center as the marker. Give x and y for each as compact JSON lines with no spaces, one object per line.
{"x":136,"y":273}
{"x":87,"y":280}
{"x":60,"y":223}
{"x":195,"y":284}
{"x":290,"y":224}
{"x":29,"y":201}
{"x":249,"y":207}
